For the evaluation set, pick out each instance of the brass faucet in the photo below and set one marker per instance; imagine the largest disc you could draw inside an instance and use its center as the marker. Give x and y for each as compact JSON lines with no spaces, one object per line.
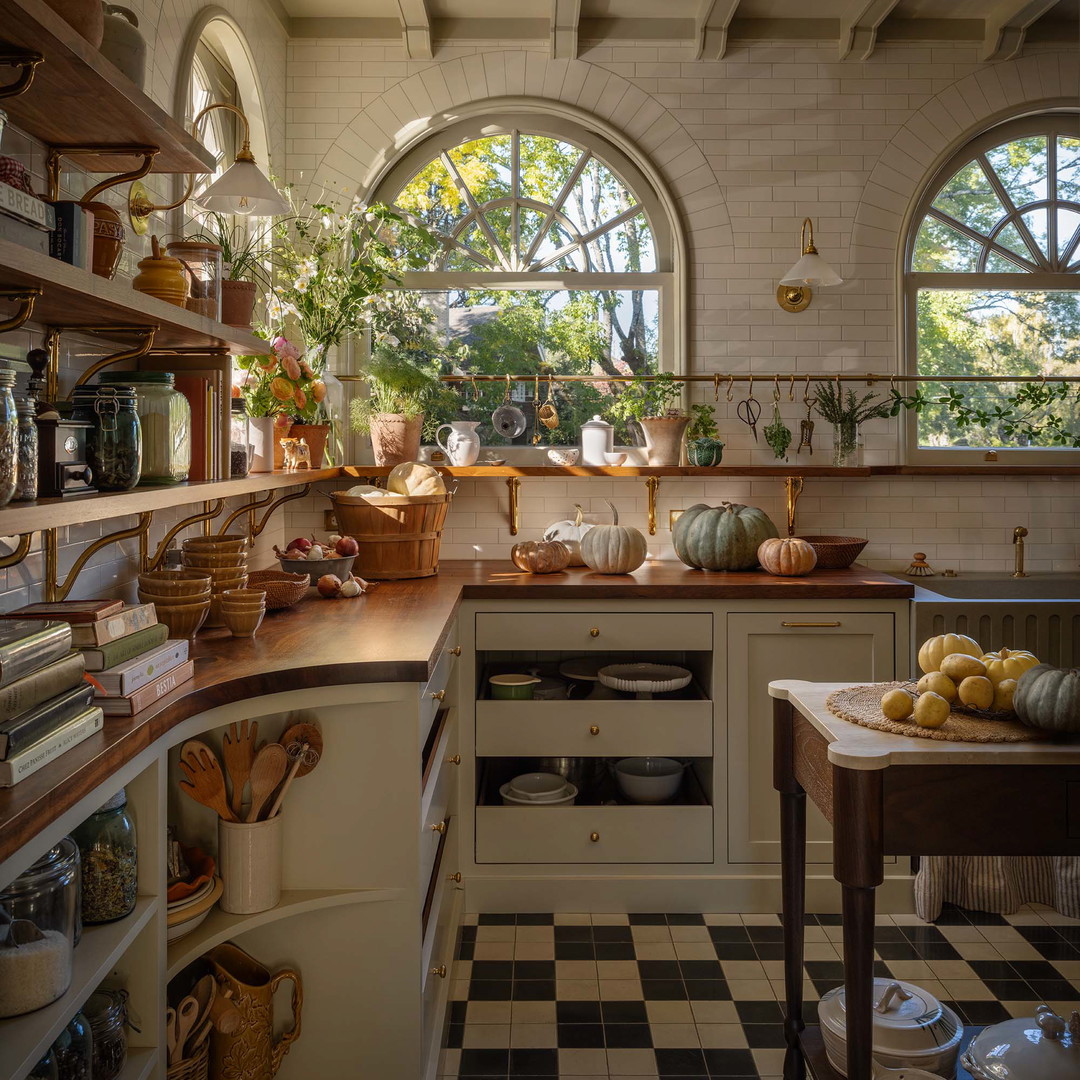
{"x":1018,"y":542}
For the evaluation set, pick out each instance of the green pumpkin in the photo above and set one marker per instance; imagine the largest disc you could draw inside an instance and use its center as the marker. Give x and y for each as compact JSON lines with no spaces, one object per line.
{"x":1048,"y":697}
{"x":724,"y":537}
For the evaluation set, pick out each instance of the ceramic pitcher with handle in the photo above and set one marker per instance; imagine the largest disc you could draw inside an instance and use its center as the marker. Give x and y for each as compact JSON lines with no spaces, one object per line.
{"x":462,"y":445}
{"x":251,"y":1053}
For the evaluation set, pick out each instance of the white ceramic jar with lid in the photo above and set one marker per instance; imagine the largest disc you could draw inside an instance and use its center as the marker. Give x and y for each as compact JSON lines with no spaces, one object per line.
{"x":1043,"y":1047}
{"x":597,"y":439}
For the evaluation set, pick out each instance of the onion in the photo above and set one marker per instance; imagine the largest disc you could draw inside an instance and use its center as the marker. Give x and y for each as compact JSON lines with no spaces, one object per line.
{"x":329,"y":585}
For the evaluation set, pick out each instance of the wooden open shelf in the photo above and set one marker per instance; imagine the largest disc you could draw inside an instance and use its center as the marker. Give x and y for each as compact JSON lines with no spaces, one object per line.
{"x":626,"y":470}
{"x":79,"y":98}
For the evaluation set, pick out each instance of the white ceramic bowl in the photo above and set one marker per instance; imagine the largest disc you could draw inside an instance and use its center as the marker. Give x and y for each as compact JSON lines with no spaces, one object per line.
{"x":538,"y":787}
{"x":510,"y":799}
{"x":649,"y":779}
{"x":614,"y":460}
{"x":559,"y":456}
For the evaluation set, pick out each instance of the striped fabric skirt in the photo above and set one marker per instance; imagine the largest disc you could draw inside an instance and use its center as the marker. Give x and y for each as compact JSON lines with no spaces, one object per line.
{"x":998,"y":883}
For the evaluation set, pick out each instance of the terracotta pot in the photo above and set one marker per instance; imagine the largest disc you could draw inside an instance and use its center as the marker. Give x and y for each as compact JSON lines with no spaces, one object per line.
{"x":237,"y":303}
{"x":85,"y":16}
{"x":316,"y":436}
{"x":394,"y":439}
{"x":109,"y":237}
{"x":664,"y":438}
{"x":250,"y":1052}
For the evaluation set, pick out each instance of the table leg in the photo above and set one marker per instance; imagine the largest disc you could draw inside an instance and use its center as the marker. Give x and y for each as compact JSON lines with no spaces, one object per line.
{"x":858,"y":906}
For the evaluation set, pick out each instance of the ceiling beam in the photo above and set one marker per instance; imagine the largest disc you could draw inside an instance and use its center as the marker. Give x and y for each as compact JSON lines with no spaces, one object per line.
{"x":711,"y":28}
{"x":859,"y":27}
{"x":565,"y":20}
{"x":415,"y":29}
{"x":1005,"y":28}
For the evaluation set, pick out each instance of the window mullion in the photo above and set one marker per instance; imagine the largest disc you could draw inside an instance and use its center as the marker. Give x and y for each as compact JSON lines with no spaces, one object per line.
{"x":481,"y":221}
{"x":555,"y":207}
{"x":588,"y":237}
{"x":978,"y":237}
{"x":1051,"y":208}
{"x":1021,"y":226}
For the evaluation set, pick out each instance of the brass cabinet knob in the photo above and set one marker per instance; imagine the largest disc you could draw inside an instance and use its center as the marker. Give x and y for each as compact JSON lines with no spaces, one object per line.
{"x":454,"y":759}
{"x":594,"y":631}
{"x":440,"y":827}
{"x":455,"y":878}
{"x":594,"y":729}
{"x":594,"y":837}
{"x":456,"y":650}
{"x":438,"y":695}
{"x":440,"y":971}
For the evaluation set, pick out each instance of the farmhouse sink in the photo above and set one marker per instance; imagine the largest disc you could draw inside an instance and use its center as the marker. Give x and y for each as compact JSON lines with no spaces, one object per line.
{"x":989,"y":586}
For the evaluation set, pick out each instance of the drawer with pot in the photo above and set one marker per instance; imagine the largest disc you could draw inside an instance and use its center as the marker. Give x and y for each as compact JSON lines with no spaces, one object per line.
{"x":610,"y":631}
{"x":439,"y":792}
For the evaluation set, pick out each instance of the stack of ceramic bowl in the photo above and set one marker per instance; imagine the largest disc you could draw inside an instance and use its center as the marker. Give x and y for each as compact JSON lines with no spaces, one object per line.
{"x":538,"y":789}
{"x":224,"y":558}
{"x":180,"y":597}
{"x":243,"y":610}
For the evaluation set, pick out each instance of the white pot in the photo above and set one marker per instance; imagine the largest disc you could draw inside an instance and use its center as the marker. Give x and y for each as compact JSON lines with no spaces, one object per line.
{"x":1042,"y":1047}
{"x":262,"y":444}
{"x":249,"y":860}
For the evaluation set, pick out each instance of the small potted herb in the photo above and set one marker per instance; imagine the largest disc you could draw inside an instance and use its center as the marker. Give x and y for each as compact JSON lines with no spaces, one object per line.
{"x":703,"y":446}
{"x":244,"y":258}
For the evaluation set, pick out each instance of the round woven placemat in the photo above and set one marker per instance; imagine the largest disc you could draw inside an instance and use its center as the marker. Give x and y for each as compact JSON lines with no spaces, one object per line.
{"x":862,"y":705}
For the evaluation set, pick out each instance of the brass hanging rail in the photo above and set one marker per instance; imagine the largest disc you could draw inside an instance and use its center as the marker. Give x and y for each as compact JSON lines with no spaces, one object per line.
{"x":868,"y":378}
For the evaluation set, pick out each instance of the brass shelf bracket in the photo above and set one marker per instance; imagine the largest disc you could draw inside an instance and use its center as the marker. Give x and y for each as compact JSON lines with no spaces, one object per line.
{"x":57,"y":154}
{"x":257,"y":529}
{"x":26,"y":299}
{"x":247,"y":508}
{"x":652,"y":486}
{"x":153,"y":562}
{"x":52,"y":344}
{"x":27,"y":62}
{"x":793,"y":488}
{"x":20,"y":551}
{"x":55,"y":589}
{"x":514,"y":484}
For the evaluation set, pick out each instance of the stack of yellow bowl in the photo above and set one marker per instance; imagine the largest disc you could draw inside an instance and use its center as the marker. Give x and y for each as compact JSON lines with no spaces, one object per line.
{"x":224,"y":558}
{"x":243,"y":610}
{"x":180,"y":597}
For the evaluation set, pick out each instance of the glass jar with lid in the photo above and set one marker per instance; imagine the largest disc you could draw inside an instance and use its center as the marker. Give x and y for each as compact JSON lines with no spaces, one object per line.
{"x":26,"y":467}
{"x":165,"y":419}
{"x":45,"y":1069}
{"x":9,"y":436}
{"x":202,"y":264}
{"x":74,"y":1050}
{"x":107,"y":1012}
{"x":110,"y":862}
{"x":40,"y":911}
{"x":114,"y":443}
{"x":239,"y":439}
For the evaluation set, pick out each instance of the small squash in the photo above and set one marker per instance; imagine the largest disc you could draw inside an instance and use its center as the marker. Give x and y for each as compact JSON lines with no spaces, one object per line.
{"x":787,"y":557}
{"x":935,"y":649}
{"x":1048,"y":697}
{"x":415,"y":478}
{"x":615,"y":548}
{"x":1008,"y":664}
{"x":724,"y":537}
{"x":570,"y":533}
{"x":540,"y":556}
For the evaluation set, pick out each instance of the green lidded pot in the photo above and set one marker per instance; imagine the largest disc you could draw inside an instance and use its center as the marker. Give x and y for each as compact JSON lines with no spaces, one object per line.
{"x":512,"y":687}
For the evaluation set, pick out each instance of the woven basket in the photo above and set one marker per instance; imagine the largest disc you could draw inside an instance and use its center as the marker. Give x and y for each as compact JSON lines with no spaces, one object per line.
{"x":282,"y":589}
{"x":192,"y":1068}
{"x":399,"y":535}
{"x":835,"y":552}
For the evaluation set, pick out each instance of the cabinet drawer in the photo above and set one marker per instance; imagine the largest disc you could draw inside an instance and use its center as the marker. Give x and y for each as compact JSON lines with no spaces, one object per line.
{"x":624,"y":834}
{"x":435,"y":690}
{"x":594,"y":728}
{"x":606,"y":631}
{"x":437,"y":800}
{"x":437,"y":954}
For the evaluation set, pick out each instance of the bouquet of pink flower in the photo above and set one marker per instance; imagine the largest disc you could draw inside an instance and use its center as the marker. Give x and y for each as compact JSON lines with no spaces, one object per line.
{"x":282,"y":382}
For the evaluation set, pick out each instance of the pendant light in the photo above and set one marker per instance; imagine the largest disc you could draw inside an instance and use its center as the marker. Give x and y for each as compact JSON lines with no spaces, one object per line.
{"x":811,"y":271}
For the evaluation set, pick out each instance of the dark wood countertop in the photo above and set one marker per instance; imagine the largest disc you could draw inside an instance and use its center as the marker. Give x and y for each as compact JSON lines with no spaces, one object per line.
{"x":394,"y":634}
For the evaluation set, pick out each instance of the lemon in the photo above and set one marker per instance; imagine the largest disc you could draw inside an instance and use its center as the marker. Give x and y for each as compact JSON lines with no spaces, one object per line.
{"x":897,"y":704}
{"x":977,"y":691}
{"x":939,"y":684}
{"x":959,"y":666}
{"x":1003,"y":695}
{"x":931,"y":710}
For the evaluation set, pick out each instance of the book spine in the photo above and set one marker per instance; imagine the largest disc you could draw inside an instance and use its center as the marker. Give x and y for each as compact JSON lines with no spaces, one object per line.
{"x":137,"y":673}
{"x":40,"y":754}
{"x":19,"y":658}
{"x":115,"y":626}
{"x":31,"y":690}
{"x":66,"y":239}
{"x":141,"y":699}
{"x":45,"y":719}
{"x":125,"y":648}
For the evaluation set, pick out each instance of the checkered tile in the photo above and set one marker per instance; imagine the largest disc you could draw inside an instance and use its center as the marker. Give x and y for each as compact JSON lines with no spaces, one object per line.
{"x":654,"y":996}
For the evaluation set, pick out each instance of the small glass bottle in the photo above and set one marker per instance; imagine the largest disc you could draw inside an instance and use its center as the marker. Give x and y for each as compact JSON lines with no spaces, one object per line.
{"x":26,"y":470}
{"x":107,"y":1012}
{"x":74,"y":1050}
{"x":239,"y":439}
{"x":165,"y":417}
{"x":110,"y":862}
{"x":114,"y":443}
{"x":9,"y":437}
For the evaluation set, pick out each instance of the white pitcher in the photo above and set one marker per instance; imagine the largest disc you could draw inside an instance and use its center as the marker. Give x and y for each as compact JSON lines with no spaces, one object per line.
{"x":462,"y":445}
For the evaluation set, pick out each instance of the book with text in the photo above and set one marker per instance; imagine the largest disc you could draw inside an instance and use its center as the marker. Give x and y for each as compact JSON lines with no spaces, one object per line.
{"x":41,"y":753}
{"x":116,"y":652}
{"x":16,"y":735}
{"x":135,"y":703}
{"x":31,"y":690}
{"x":28,"y":644}
{"x":136,"y":617}
{"x":129,"y":676}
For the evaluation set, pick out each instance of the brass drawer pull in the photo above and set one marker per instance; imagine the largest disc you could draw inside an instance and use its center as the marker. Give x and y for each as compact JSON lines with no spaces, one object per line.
{"x":440,"y":827}
{"x":594,"y":837}
{"x":801,"y":624}
{"x":440,"y":971}
{"x":594,"y":631}
{"x":454,"y":759}
{"x":438,"y":695}
{"x":594,"y":729}
{"x":455,"y":878}
{"x":456,"y":650}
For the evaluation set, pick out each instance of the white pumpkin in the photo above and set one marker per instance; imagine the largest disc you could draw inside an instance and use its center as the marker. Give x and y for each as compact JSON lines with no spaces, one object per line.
{"x":364,"y":491}
{"x":415,"y":478}
{"x":570,"y":533}
{"x":615,"y":548}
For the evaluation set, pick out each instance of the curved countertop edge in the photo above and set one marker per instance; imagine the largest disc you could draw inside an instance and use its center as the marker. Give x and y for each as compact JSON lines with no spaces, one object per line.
{"x":402,"y":629}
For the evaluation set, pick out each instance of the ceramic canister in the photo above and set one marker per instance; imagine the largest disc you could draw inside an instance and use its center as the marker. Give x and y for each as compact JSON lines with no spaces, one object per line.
{"x":122,"y":44}
{"x":249,"y":861}
{"x":597,"y":439}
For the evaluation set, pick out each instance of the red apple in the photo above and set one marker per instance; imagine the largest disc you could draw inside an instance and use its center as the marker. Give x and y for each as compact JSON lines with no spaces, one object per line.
{"x":347,"y":546}
{"x":329,"y":585}
{"x":301,"y":542}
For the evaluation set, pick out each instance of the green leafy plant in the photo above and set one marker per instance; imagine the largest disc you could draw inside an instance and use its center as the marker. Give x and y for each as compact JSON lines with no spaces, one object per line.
{"x":399,"y":381}
{"x":702,"y":423}
{"x":648,"y":396}
{"x":246,"y":254}
{"x":778,"y":434}
{"x":846,"y":412}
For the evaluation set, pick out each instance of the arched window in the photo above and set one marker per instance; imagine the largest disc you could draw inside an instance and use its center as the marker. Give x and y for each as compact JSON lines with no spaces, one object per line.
{"x":558,"y":258}
{"x":212,"y":81}
{"x":993,"y":288}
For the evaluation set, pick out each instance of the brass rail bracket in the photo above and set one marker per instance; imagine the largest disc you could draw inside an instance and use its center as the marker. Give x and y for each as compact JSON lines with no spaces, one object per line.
{"x":55,"y":589}
{"x":793,"y":487}
{"x":652,"y":485}
{"x":52,"y":343}
{"x":57,"y":154}
{"x":257,"y":529}
{"x":18,"y":553}
{"x":26,"y":298}
{"x":27,"y":62}
{"x":153,"y":562}
{"x":513,"y":483}
{"x":248,"y":508}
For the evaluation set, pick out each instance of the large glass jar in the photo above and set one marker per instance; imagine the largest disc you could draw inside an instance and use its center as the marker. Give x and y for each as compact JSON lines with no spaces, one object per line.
{"x":239,"y":439}
{"x":43,"y":904}
{"x":202,"y":264}
{"x":165,"y":416}
{"x":45,"y":1069}
{"x":114,"y":443}
{"x":110,"y":862}
{"x":9,"y":437}
{"x":107,"y":1012}
{"x":27,"y":465}
{"x":74,"y":1050}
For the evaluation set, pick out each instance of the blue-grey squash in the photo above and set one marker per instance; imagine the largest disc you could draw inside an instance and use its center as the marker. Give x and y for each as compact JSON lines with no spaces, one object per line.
{"x":1048,"y":697}
{"x":724,"y":537}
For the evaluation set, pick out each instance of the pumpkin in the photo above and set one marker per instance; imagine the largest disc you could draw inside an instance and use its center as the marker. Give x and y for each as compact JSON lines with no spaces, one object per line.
{"x":724,"y":537}
{"x":1048,"y":697}
{"x":615,"y":548}
{"x":789,"y":557}
{"x":935,"y":649}
{"x":540,"y":556}
{"x":1008,"y":664}
{"x":415,"y":478}
{"x":570,"y":533}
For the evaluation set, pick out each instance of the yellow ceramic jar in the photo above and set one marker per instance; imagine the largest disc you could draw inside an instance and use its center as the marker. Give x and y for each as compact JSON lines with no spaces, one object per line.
{"x":162,"y":276}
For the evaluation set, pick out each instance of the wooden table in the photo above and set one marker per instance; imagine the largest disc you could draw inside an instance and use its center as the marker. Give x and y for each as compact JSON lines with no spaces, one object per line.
{"x":894,"y":795}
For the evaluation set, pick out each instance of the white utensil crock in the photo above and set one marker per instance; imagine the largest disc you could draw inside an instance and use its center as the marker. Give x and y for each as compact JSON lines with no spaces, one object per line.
{"x":249,"y":861}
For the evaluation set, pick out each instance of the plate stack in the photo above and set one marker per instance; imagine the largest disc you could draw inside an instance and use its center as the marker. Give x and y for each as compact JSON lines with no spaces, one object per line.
{"x":224,"y":559}
{"x":183,"y":916}
{"x":538,"y":789}
{"x":180,"y":597}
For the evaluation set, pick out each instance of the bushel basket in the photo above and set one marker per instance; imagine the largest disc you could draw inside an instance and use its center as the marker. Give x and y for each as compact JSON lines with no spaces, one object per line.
{"x":398,"y":535}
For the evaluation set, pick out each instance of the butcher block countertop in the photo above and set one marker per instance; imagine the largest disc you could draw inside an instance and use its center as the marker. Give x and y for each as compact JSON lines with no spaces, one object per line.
{"x":393,"y":634}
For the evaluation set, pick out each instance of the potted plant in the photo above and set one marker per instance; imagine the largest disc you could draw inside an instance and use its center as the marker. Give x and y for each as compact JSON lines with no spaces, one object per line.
{"x":703,"y":446}
{"x":846,"y":412}
{"x":245,"y":256}
{"x":649,"y":401}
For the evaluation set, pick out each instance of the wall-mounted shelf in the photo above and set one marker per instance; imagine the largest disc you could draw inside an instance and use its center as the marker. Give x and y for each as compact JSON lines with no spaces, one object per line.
{"x":79,"y":97}
{"x":628,"y":470}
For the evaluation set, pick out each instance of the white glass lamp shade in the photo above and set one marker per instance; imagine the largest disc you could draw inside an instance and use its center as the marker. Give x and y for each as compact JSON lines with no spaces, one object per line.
{"x":243,"y":189}
{"x":811,"y":270}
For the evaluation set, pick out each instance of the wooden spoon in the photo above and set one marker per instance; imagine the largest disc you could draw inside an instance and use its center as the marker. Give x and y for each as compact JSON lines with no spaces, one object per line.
{"x":204,"y":991}
{"x":170,"y":1032}
{"x":205,"y":781}
{"x":238,"y":750}
{"x":304,"y":744}
{"x":267,"y":771}
{"x":187,"y":1012}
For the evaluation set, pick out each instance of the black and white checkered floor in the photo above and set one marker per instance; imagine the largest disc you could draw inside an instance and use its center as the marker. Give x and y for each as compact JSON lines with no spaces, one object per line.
{"x":630,"y":997}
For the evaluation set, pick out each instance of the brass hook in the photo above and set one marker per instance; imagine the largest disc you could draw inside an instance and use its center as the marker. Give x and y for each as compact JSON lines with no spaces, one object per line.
{"x":730,"y":384}
{"x":776,"y":388}
{"x":507,"y":397}
{"x":716,"y":386}
{"x":791,"y":389}
{"x":806,"y":392}
{"x":475,"y":392}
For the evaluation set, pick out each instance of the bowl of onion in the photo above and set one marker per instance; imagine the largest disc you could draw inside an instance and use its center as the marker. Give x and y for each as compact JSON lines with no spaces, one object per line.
{"x":316,"y":559}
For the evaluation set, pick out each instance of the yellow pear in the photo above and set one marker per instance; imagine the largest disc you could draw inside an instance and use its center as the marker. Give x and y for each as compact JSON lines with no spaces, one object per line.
{"x":934,"y":649}
{"x":1003,"y":695}
{"x":977,"y":691}
{"x":931,"y":710}
{"x":937,"y":683}
{"x":958,"y":666}
{"x":897,"y":704}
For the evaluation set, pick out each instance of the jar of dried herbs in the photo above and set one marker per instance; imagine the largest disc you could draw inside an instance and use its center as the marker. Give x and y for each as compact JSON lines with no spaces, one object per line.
{"x":110,"y":862}
{"x":74,"y":1050}
{"x":107,"y":1012}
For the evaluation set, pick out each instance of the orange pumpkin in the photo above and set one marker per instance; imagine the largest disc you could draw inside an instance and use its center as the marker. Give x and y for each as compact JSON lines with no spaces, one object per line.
{"x":540,"y":556}
{"x":787,"y":557}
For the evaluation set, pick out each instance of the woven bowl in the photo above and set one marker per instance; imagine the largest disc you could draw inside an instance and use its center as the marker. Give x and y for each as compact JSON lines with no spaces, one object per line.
{"x":234,"y":542}
{"x":282,"y":589}
{"x":213,"y":559}
{"x":835,"y":552}
{"x":175,"y":582}
{"x":184,"y":620}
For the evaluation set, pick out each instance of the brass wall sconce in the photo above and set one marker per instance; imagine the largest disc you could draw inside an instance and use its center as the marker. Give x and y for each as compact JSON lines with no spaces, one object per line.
{"x":811,"y":271}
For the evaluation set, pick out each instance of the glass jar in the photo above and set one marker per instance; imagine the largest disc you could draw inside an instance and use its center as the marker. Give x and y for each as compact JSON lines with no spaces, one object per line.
{"x":114,"y":443}
{"x":46,"y":897}
{"x":27,"y":465}
{"x":202,"y":262}
{"x":110,"y":862}
{"x":107,"y":1012}
{"x":74,"y":1050}
{"x":9,"y":437}
{"x":239,"y":439}
{"x":165,"y":416}
{"x":847,"y":445}
{"x":45,"y":1069}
